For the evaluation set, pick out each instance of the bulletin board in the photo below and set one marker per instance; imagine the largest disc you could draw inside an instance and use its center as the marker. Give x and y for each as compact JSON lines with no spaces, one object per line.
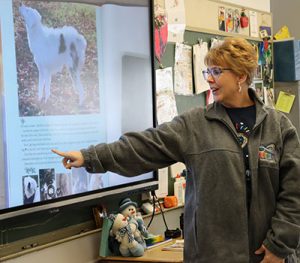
{"x":185,"y":103}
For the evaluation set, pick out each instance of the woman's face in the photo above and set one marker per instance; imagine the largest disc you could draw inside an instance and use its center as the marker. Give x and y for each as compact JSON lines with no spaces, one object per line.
{"x":223,"y":84}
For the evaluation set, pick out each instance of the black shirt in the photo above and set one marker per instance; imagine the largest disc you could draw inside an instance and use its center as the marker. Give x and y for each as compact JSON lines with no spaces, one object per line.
{"x":243,"y":120}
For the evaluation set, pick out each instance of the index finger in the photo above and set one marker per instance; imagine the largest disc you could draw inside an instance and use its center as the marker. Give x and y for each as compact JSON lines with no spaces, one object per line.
{"x":60,"y":153}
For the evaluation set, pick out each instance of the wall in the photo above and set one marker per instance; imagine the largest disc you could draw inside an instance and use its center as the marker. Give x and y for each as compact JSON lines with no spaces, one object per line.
{"x":286,"y":13}
{"x":262,"y":5}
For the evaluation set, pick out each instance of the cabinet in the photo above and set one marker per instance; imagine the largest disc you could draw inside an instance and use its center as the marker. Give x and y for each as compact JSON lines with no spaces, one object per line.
{"x":294,"y":89}
{"x":287,"y":60}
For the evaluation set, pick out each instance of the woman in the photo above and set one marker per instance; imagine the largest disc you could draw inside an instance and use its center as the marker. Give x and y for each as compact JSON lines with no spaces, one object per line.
{"x":242,"y":199}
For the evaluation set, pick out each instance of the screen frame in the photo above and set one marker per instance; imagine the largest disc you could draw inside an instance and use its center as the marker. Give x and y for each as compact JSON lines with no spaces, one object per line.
{"x":129,"y":188}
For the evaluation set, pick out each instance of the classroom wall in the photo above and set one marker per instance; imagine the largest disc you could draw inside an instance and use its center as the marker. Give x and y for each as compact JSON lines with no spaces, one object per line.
{"x":262,"y":5}
{"x":84,"y":249}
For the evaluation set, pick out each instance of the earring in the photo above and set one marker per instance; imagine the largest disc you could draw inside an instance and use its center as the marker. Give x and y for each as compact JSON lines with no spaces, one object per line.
{"x":240,"y":87}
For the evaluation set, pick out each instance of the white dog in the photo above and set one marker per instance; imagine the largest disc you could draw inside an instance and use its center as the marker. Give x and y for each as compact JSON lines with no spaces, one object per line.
{"x":52,"y":49}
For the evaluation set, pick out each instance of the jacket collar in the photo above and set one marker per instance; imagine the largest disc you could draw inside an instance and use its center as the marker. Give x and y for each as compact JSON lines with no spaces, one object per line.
{"x":217,"y":110}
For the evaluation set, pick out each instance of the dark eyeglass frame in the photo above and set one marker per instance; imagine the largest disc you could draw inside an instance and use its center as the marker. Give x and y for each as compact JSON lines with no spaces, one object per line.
{"x":215,"y":72}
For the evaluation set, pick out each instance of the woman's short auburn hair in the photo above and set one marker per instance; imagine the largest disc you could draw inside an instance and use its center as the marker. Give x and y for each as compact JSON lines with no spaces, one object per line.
{"x":235,"y":53}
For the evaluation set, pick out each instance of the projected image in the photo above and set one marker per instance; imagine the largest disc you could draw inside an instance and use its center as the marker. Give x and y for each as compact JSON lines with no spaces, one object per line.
{"x":2,"y":179}
{"x":55,"y":53}
{"x":63,"y":184}
{"x":95,"y":182}
{"x":79,"y":181}
{"x":73,"y":76}
{"x":31,"y":190}
{"x":47,"y":184}
{"x":1,"y":63}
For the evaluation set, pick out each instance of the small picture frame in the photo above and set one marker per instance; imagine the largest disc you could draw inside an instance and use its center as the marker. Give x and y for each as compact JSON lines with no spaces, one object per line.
{"x":258,"y":86}
{"x":269,"y":97}
{"x":258,"y":72}
{"x":265,"y":31}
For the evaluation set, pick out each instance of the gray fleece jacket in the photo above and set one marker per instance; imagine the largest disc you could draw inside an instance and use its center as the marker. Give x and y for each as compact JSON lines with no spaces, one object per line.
{"x":217,"y":227}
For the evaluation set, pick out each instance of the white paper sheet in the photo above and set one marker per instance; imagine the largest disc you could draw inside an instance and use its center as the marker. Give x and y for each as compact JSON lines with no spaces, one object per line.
{"x":176,"y":20}
{"x":165,"y":99}
{"x":163,"y":182}
{"x":199,"y":52}
{"x":253,"y":24}
{"x":183,"y":70}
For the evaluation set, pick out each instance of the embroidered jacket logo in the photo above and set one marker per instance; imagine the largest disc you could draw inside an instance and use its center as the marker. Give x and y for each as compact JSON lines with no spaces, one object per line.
{"x":267,"y":152}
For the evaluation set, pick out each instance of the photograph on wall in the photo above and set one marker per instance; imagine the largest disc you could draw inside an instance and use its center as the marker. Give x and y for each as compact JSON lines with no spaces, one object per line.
{"x":258,"y":86}
{"x":258,"y":73}
{"x":265,"y":32}
{"x":221,"y":18}
{"x":269,"y":97}
{"x":55,"y":71}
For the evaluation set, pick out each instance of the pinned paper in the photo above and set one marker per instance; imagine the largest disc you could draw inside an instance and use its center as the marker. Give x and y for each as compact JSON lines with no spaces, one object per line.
{"x":199,"y":52}
{"x":165,"y":98}
{"x":160,"y":30}
{"x":253,"y":24}
{"x":285,"y":102}
{"x":183,"y":73}
{"x":161,"y":36}
{"x":176,"y":20}
{"x":283,"y":33}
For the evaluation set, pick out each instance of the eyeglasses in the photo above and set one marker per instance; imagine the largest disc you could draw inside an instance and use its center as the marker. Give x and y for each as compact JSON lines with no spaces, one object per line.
{"x":215,"y":72}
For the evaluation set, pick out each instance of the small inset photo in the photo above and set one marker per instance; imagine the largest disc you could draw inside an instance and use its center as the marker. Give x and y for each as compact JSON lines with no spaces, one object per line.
{"x":95,"y":182}
{"x":79,"y":180}
{"x":47,"y":184}
{"x":31,"y":191}
{"x":63,"y":184}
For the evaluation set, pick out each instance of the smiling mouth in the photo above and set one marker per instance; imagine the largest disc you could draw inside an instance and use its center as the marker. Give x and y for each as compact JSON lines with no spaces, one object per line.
{"x":214,"y":90}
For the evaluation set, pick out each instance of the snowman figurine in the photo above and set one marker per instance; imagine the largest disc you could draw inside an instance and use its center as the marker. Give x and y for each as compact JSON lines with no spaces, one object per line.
{"x":128,"y":209}
{"x":122,"y":233}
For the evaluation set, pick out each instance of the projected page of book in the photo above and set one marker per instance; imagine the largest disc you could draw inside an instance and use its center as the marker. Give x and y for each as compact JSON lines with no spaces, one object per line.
{"x":66,"y":84}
